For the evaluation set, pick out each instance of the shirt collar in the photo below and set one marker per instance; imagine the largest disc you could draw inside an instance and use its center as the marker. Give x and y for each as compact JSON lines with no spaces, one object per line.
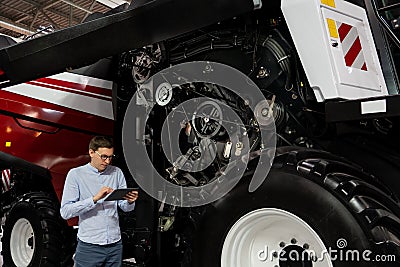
{"x":93,"y":169}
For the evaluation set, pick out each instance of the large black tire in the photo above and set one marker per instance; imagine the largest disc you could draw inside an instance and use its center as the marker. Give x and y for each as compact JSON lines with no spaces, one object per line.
{"x":43,"y":238}
{"x":337,"y":200}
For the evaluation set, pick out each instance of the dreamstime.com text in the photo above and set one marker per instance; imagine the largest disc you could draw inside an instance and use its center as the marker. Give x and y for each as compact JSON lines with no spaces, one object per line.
{"x":330,"y":254}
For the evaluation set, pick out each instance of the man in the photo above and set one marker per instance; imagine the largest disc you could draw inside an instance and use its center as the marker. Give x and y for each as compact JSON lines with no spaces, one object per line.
{"x":99,"y":237}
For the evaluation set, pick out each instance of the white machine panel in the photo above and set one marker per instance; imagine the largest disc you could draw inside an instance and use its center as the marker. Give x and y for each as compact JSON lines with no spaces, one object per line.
{"x":335,"y":45}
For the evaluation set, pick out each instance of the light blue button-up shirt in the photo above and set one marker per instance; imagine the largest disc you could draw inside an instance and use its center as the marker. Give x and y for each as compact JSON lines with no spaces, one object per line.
{"x":98,"y":223}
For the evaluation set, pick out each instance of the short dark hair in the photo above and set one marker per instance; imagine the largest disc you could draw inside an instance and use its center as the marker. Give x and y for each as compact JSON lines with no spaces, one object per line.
{"x":100,"y":141}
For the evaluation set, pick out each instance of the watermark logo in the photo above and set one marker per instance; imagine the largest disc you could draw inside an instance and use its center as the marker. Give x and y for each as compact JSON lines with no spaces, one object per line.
{"x":341,"y":253}
{"x":162,"y":90}
{"x":341,"y":243}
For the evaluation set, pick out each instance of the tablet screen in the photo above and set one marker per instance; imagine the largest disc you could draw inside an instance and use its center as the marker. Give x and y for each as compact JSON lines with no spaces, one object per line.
{"x":118,"y":194}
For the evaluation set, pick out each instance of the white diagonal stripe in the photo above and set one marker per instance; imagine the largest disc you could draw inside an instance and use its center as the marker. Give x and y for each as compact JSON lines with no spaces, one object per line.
{"x":3,"y":180}
{"x":359,"y":61}
{"x":349,"y":40}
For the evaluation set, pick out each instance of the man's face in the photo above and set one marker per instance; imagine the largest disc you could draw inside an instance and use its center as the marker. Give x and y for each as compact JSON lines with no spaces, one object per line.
{"x":96,"y":157}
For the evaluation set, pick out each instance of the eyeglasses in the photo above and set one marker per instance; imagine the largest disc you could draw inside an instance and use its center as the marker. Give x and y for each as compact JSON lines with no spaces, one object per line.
{"x":105,"y":157}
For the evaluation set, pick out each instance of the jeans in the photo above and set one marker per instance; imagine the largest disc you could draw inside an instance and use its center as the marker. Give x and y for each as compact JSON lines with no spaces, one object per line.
{"x":92,"y":255}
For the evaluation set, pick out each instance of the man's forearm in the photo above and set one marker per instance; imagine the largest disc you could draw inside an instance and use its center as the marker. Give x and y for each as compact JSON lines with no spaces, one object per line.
{"x":74,"y":209}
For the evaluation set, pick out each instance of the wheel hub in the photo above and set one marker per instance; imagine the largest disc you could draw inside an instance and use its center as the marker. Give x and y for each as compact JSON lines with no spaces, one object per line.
{"x":30,"y":242}
{"x":22,"y":243}
{"x":268,"y":237}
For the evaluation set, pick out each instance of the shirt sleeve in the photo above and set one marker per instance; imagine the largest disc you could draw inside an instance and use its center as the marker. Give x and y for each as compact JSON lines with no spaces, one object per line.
{"x":124,"y":204}
{"x":70,"y":204}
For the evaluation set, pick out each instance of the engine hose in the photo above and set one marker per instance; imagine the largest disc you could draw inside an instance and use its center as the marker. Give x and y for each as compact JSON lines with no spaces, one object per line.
{"x":282,"y":58}
{"x":198,"y":50}
{"x":208,"y":46}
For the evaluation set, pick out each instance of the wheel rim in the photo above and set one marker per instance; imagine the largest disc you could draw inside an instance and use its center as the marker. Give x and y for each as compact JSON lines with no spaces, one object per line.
{"x":268,"y":237}
{"x":22,"y":243}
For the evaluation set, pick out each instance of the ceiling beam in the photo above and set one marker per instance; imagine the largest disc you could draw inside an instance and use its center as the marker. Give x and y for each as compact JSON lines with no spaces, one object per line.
{"x":47,"y":7}
{"x":77,"y":6}
{"x":18,"y":27}
{"x":22,"y":29}
{"x":16,"y":10}
{"x":71,"y":15}
{"x":37,"y":5}
{"x":62,"y":14}
{"x":90,"y":8}
{"x":34,"y":19}
{"x":49,"y":19}
{"x":113,"y":3}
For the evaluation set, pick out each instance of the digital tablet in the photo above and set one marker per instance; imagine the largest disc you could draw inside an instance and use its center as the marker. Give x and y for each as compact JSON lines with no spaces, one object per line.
{"x":118,"y":194}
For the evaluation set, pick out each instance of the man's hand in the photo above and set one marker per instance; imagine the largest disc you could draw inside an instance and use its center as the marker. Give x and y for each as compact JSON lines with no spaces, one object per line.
{"x":131,"y":196}
{"x":104,"y":191}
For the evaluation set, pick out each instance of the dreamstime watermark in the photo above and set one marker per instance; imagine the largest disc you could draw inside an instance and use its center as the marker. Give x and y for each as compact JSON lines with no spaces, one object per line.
{"x":167,"y":86}
{"x":326,"y":255}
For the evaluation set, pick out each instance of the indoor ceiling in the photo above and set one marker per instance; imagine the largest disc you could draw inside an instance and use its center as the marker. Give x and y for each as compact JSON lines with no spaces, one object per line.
{"x":21,"y":18}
